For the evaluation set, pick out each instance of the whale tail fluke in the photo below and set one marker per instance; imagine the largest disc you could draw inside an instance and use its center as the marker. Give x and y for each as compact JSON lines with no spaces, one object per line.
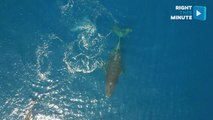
{"x":121,"y":32}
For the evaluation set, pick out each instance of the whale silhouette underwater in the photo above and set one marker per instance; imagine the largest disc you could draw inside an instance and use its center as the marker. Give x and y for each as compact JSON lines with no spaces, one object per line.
{"x":30,"y":110}
{"x":114,"y":66}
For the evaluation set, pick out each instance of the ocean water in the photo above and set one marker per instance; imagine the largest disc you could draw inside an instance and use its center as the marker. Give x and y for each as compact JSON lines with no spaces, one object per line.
{"x":55,"y":52}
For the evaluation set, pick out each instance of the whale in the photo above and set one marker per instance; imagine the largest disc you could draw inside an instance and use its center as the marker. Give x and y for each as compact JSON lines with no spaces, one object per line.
{"x":29,"y":114}
{"x":114,"y":66}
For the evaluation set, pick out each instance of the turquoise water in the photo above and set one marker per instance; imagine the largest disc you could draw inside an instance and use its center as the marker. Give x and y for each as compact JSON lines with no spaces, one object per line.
{"x":55,"y":52}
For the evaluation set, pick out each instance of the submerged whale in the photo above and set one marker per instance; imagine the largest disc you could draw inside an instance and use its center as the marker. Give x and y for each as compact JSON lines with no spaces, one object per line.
{"x":114,"y":67}
{"x":29,"y":114}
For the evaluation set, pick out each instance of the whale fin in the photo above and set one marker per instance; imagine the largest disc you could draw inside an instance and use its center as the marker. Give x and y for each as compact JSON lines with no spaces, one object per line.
{"x":121,"y":32}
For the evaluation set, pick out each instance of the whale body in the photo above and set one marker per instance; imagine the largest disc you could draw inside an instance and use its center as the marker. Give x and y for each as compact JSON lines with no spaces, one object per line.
{"x":29,"y":114}
{"x":113,"y":70}
{"x":114,"y":67}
